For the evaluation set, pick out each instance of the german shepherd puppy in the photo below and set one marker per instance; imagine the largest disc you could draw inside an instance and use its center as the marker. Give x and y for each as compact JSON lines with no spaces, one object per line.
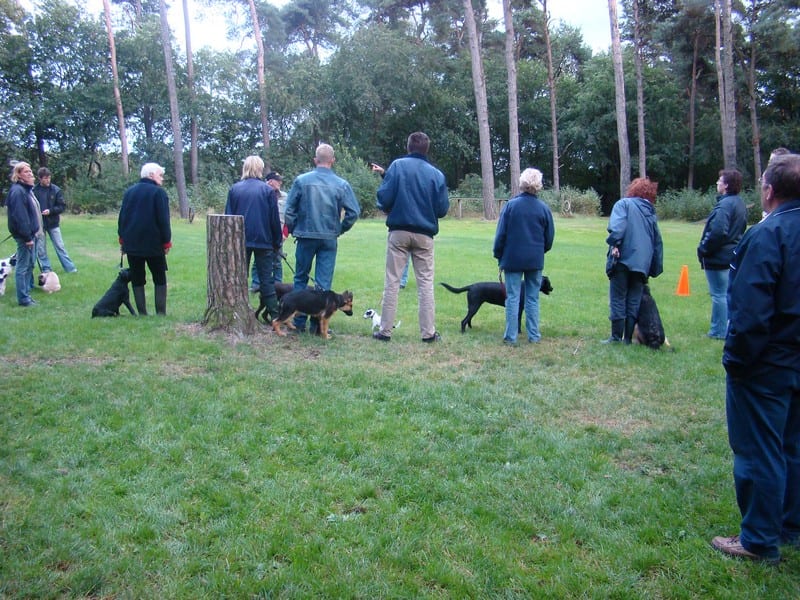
{"x":314,"y":303}
{"x":117,"y":295}
{"x":492,"y":292}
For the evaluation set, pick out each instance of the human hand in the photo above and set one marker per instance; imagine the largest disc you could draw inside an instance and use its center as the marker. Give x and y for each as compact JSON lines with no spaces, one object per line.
{"x":46,"y":212}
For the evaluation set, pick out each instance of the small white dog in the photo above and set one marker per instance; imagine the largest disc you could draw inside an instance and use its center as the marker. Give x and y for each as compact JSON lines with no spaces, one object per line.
{"x":371,"y":313}
{"x":49,"y":282}
{"x":6,"y":269}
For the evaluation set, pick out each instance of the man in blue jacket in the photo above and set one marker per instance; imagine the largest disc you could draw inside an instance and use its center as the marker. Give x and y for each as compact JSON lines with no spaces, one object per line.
{"x":320,"y":207}
{"x":51,"y":202}
{"x":413,"y":194}
{"x":762,"y":359}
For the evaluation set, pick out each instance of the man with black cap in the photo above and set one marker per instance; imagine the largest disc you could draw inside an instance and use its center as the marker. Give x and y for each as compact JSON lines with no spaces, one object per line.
{"x":274,"y":180}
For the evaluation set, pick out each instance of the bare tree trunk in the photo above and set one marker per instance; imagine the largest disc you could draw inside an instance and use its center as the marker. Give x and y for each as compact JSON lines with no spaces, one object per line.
{"x":123,"y":136}
{"x":262,"y":86}
{"x":513,"y":112}
{"x":177,"y":148}
{"x":481,"y":103}
{"x":193,"y":168}
{"x":693,"y":108}
{"x":619,"y":87}
{"x":551,"y":84}
{"x":637,"y":61}
{"x":753,"y":96}
{"x":724,"y":56}
{"x":228,"y":307}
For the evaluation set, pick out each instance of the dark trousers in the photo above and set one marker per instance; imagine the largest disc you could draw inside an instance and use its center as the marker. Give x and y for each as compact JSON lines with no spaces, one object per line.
{"x":264,"y":267}
{"x":625,"y":293}
{"x":156,"y":264}
{"x":763,"y":412}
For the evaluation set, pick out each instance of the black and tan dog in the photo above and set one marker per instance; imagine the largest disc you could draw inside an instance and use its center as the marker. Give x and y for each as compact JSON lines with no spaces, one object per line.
{"x":649,"y":330}
{"x":117,"y":295}
{"x":281,"y":289}
{"x":492,"y":292}
{"x":314,"y":303}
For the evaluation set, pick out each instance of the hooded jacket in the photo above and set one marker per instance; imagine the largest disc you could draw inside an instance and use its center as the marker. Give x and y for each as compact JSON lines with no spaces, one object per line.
{"x":633,"y":228}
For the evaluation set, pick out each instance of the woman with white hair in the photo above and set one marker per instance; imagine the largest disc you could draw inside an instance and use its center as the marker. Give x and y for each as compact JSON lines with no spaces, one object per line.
{"x":525,"y":232}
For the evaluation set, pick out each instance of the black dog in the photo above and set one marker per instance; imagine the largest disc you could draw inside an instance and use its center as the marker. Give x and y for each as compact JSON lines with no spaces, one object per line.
{"x":649,"y":330}
{"x":281,"y":289}
{"x":117,"y":295}
{"x":492,"y":292}
{"x":314,"y":303}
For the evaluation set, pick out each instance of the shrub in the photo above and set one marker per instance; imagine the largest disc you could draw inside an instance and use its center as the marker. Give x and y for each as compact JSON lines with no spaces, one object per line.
{"x":685,"y":205}
{"x":572,"y":201}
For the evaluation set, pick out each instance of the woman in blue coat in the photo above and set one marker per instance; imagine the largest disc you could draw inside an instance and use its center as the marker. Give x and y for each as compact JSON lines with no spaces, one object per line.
{"x":525,"y":232}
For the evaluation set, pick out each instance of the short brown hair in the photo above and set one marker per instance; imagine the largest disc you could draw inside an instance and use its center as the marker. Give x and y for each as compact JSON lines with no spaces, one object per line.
{"x":642,"y":187}
{"x":418,"y":143}
{"x":733,"y":179}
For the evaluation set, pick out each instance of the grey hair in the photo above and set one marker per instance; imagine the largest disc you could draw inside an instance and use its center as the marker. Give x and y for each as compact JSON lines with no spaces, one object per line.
{"x":324,"y":154}
{"x":252,"y":167}
{"x":149,"y":169}
{"x":530,"y":180}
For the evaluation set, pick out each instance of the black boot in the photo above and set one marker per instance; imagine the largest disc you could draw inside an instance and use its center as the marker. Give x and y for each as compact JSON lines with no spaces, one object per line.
{"x":271,"y":309}
{"x":313,"y":326}
{"x":161,"y":299}
{"x":630,"y":323}
{"x":140,"y":299}
{"x":617,"y":329}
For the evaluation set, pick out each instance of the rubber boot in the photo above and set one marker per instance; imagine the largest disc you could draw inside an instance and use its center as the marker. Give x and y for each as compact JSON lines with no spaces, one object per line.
{"x":272,"y":309}
{"x":313,"y":326}
{"x":161,"y":299}
{"x":617,"y":330}
{"x":630,"y":323}
{"x":140,"y":299}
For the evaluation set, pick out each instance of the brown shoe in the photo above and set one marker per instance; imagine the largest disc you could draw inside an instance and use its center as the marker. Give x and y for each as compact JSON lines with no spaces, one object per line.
{"x":732,"y":546}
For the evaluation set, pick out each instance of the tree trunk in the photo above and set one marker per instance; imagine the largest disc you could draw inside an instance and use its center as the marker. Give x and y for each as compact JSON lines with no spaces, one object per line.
{"x":551,"y":84}
{"x":753,"y":95}
{"x":724,"y":56}
{"x":262,"y":86}
{"x":693,"y":108}
{"x":481,"y":104}
{"x":177,"y":147}
{"x":513,"y":117}
{"x":637,"y":61}
{"x":123,"y":136}
{"x":228,"y":307}
{"x":193,"y":168}
{"x":619,"y":87}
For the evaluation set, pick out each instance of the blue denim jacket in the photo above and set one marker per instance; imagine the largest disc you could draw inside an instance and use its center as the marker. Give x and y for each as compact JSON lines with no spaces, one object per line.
{"x":315,"y":205}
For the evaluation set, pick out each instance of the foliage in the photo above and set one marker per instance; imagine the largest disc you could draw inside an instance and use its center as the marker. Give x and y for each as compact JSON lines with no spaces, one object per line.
{"x":147,"y":458}
{"x":571,"y":201}
{"x":689,"y":205}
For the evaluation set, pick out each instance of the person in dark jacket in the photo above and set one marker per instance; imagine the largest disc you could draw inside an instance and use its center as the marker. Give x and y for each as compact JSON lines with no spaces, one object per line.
{"x":724,"y":228}
{"x":320,"y":207}
{"x":635,"y":252}
{"x":51,"y":202}
{"x":413,"y":194}
{"x":25,"y":226}
{"x":145,"y":235}
{"x":525,"y":232}
{"x":257,"y":202}
{"x":761,"y":357}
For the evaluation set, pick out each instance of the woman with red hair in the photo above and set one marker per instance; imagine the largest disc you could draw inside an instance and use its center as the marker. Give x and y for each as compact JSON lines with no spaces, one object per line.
{"x":635,"y":252}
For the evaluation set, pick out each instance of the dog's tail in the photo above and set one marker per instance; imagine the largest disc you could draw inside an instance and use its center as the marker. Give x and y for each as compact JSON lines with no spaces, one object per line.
{"x":456,"y":290}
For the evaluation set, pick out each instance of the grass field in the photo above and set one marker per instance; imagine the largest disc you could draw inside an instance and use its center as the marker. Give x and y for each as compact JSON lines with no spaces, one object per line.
{"x":148,"y":458}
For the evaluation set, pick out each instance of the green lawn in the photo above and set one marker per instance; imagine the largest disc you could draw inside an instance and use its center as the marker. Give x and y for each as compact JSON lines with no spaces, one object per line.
{"x":148,"y":458}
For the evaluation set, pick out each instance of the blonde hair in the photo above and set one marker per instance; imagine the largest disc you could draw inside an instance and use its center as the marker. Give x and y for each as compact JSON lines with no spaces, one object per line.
{"x":530,"y":180}
{"x":252,"y":167}
{"x":18,"y":167}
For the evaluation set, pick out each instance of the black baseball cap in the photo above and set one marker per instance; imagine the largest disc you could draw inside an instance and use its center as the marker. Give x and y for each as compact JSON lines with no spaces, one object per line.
{"x":274,"y":175}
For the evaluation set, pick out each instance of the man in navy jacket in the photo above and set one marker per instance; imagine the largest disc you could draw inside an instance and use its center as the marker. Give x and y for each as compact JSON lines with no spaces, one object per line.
{"x":762,"y":360}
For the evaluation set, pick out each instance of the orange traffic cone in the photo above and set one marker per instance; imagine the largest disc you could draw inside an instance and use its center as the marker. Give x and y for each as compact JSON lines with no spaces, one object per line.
{"x":683,"y":282}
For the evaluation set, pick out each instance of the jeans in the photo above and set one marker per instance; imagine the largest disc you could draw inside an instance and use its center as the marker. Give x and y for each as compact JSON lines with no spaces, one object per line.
{"x":61,"y":251}
{"x":263,"y":264}
{"x":404,"y":276}
{"x":277,"y":271}
{"x":718,"y":290}
{"x":533,"y":281}
{"x":323,"y":254}
{"x":400,"y":246}
{"x":23,"y":272}
{"x":625,"y":293}
{"x":763,"y":413}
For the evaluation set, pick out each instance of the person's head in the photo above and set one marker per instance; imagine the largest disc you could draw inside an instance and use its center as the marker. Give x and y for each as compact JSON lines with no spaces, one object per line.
{"x":642,"y":187}
{"x":22,"y":173}
{"x":152,"y":171}
{"x":252,"y":167}
{"x":778,"y":152}
{"x":324,"y":157}
{"x":44,"y":175}
{"x":418,"y":143}
{"x":530,"y":180}
{"x":781,"y":181}
{"x":274,"y":179}
{"x":729,"y":182}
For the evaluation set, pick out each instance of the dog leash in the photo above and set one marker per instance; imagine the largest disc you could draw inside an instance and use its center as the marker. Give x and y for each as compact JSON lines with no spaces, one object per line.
{"x":8,"y":237}
{"x":282,"y":254}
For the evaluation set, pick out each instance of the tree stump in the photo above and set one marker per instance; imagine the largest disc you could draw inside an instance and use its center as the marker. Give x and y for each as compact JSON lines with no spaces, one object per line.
{"x":228,"y":306}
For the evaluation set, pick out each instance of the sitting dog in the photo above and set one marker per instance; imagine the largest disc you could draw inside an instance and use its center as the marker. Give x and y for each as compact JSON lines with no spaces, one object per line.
{"x":281,"y":289}
{"x":49,"y":282}
{"x":314,"y":303}
{"x":117,"y":295}
{"x":6,"y":269}
{"x":371,"y":313}
{"x":649,"y":330}
{"x":492,"y":292}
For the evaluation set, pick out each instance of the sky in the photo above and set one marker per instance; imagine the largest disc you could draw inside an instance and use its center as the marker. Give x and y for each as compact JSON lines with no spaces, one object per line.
{"x":590,"y":16}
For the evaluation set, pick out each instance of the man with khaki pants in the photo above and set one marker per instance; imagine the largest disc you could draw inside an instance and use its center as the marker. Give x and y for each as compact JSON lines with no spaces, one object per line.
{"x":413,"y":194}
